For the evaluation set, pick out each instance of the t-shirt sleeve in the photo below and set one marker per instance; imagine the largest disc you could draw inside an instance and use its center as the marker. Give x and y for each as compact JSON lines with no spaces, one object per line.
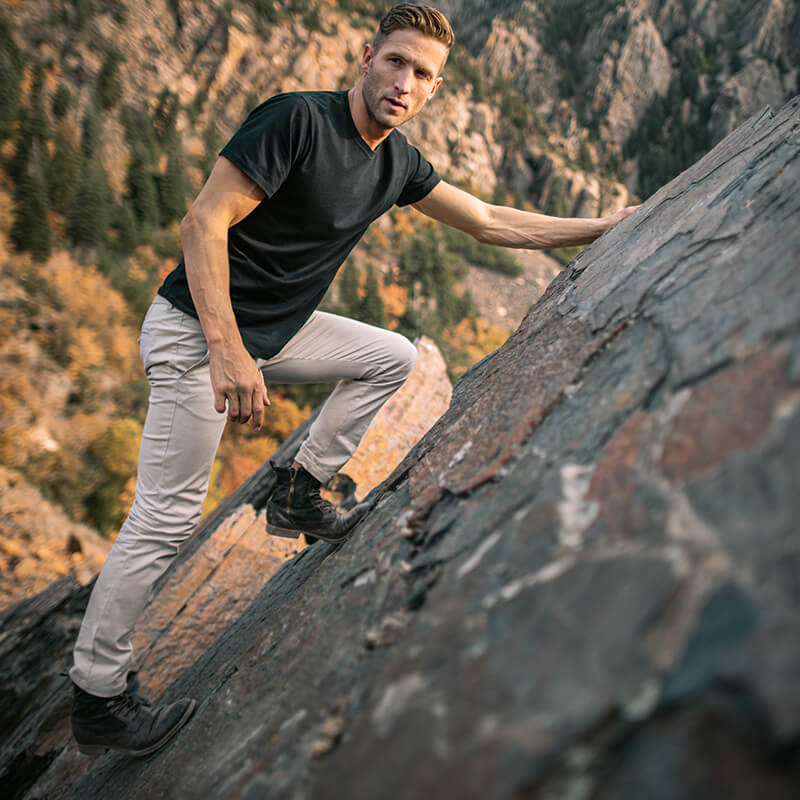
{"x":270,"y":140}
{"x":422,"y":177}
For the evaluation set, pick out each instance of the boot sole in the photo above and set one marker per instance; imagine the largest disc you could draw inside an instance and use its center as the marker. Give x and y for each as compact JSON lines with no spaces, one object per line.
{"x":286,"y":533}
{"x":291,"y":533}
{"x":99,"y":749}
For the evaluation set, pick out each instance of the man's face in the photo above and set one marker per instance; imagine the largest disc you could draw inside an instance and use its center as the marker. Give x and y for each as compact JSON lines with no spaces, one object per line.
{"x":401,"y":76}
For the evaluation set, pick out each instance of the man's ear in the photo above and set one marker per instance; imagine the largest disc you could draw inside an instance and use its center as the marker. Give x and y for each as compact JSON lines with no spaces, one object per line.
{"x":366,"y":57}
{"x":436,"y":85}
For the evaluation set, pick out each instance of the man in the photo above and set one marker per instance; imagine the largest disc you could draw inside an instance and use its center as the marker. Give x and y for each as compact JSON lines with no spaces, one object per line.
{"x":290,"y":196}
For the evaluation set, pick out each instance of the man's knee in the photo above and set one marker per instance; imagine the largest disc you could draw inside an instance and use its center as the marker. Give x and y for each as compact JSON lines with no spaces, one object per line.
{"x":404,"y":356}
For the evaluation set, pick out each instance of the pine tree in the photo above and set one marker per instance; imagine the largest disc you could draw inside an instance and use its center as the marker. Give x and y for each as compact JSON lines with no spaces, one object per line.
{"x":213,"y":143}
{"x":142,"y":192}
{"x":31,"y":230}
{"x":90,"y":132}
{"x":165,"y":117}
{"x":127,"y":230}
{"x":9,"y":94}
{"x":349,"y":301}
{"x":23,"y":145}
{"x":89,"y":217}
{"x":139,"y":133}
{"x":10,"y":74}
{"x":63,"y":174}
{"x":442,"y":275}
{"x":62,"y":100}
{"x":172,"y":188}
{"x":428,"y":274}
{"x":84,"y":10}
{"x":109,"y":86}
{"x":414,"y":265}
{"x":585,"y":160}
{"x":372,"y":310}
{"x":33,"y":130}
{"x":556,"y":204}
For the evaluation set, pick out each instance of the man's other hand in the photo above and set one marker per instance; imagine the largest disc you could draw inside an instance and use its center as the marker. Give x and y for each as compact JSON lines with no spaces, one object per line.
{"x":238,"y":382}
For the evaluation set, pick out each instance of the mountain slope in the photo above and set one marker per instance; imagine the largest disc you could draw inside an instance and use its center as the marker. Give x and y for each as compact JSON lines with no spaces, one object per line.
{"x":646,"y":87}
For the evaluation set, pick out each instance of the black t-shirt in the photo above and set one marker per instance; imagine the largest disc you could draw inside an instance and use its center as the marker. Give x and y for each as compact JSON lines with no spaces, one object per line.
{"x":323,"y":187}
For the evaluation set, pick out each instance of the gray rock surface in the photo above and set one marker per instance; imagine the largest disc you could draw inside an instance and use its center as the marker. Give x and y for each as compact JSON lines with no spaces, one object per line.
{"x":583,"y":581}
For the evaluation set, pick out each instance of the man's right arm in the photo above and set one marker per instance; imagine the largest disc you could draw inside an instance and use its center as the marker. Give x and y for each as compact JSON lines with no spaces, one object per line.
{"x":227,"y":197}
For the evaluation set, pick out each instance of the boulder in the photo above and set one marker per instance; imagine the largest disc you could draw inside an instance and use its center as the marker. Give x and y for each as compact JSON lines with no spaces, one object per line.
{"x":583,"y":580}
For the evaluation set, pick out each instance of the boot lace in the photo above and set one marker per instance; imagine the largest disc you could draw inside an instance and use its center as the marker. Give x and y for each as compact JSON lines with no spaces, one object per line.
{"x":126,"y":704}
{"x":318,"y":501}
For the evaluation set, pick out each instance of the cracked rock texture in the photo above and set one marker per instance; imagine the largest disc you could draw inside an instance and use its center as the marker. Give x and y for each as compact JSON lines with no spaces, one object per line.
{"x":584,"y":580}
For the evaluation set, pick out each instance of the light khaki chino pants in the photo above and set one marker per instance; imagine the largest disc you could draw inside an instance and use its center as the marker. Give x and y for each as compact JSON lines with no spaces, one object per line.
{"x":180,"y":439}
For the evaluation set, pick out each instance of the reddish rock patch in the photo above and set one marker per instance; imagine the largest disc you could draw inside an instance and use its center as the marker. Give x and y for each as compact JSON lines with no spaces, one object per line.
{"x":728,"y":412}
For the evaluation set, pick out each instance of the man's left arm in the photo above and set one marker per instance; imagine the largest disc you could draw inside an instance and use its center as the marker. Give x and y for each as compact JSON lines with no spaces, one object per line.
{"x":510,"y":227}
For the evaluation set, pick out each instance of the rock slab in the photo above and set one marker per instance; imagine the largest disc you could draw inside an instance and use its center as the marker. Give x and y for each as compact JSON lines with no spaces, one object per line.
{"x":583,"y":581}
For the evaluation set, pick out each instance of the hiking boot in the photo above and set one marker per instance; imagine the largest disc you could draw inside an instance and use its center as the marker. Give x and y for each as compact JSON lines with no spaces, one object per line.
{"x":296,"y":507}
{"x":125,"y":723}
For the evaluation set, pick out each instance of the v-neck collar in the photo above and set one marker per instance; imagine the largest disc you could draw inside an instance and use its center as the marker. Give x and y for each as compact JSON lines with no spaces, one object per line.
{"x":366,"y":149}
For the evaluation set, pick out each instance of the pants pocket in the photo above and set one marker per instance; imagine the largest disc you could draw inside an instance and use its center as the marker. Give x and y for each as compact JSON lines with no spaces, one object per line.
{"x":171,"y":343}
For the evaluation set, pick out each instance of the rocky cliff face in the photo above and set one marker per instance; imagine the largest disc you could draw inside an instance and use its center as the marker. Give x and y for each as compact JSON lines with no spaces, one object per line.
{"x":592,"y":70}
{"x":581,"y":582}
{"x":221,"y":59}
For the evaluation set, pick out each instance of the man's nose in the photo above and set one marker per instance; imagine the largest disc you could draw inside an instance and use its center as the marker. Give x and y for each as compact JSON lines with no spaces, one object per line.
{"x":402,"y":82}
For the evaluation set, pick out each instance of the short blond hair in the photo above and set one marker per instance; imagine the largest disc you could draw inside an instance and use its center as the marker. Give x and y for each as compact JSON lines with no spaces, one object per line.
{"x":425,"y":19}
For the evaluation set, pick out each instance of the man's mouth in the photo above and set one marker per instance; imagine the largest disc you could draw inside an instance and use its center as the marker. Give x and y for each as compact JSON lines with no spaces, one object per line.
{"x":396,"y":104}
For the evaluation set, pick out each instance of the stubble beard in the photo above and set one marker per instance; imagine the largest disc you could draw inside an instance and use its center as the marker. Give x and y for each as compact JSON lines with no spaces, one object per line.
{"x":372,"y":104}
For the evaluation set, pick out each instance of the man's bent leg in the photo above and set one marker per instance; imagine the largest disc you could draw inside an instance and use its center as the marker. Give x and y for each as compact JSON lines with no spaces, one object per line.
{"x":181,"y":436}
{"x":370,"y":363}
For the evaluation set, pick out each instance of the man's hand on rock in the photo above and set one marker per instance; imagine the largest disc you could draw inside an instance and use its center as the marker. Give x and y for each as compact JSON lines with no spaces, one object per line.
{"x":620,"y":215}
{"x":238,"y":385}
